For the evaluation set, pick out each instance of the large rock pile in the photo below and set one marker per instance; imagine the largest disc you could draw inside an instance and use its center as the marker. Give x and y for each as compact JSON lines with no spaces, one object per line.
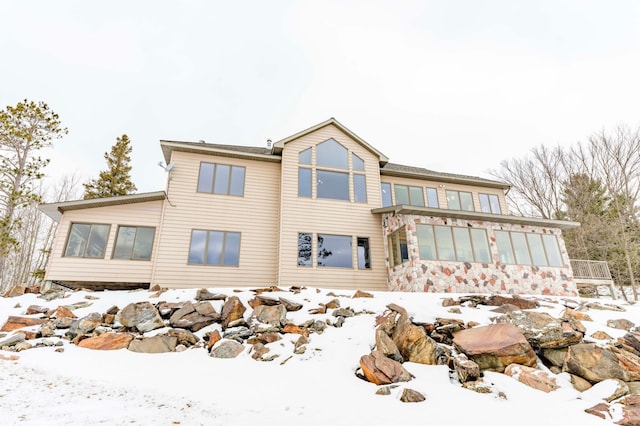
{"x":530,"y":346}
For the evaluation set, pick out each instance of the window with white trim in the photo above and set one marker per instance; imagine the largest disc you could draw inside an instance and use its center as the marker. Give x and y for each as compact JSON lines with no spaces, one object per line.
{"x":87,"y":240}
{"x":221,"y":248}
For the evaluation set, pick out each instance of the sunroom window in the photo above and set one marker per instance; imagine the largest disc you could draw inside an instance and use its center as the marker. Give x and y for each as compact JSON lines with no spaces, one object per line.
{"x":87,"y":240}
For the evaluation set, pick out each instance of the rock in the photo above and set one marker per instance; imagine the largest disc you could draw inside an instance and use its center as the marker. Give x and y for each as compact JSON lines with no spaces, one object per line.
{"x":332,"y":304}
{"x":15,"y":322}
{"x":270,"y":314}
{"x":63,"y":322}
{"x":360,"y":293}
{"x":299,"y":347}
{"x":621,"y":389}
{"x":465,"y":369}
{"x":555,"y":356}
{"x":344,"y":312}
{"x":207,"y":309}
{"x":384,"y":390}
{"x":385,"y":345}
{"x":290,"y":305}
{"x":258,"y":350}
{"x":184,"y":310}
{"x":214,"y":337}
{"x":531,"y":377}
{"x":596,"y":363}
{"x":194,"y":321}
{"x":601,"y":335}
{"x":542,"y":330}
{"x":600,"y":410}
{"x":477,"y":386}
{"x":142,"y":315}
{"x":239,"y":334}
{"x":579,"y":383}
{"x":380,"y":370}
{"x":154,"y":345}
{"x":498,"y":300}
{"x":264,"y":338}
{"x":12,"y":340}
{"x":573,"y":314}
{"x":413,"y":343}
{"x":184,"y":337}
{"x":232,"y":310}
{"x":621,"y":324}
{"x":47,"y":330}
{"x":634,"y":387}
{"x":227,"y":349}
{"x":36,"y":309}
{"x":112,"y":310}
{"x":630,"y":411}
{"x":633,"y":340}
{"x":294,"y":329}
{"x":22,"y":346}
{"x":107,"y":341}
{"x":62,"y":312}
{"x":86,"y":324}
{"x":14,"y":291}
{"x":410,"y":395}
{"x":494,"y":347}
{"x":204,"y":294}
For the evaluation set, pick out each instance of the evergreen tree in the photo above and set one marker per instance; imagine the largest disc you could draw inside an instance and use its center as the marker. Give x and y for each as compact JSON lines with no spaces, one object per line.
{"x":116,"y":180}
{"x":25,"y":129}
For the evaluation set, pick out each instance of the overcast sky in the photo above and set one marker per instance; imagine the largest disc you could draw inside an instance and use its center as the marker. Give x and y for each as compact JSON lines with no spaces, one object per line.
{"x":454,"y":86}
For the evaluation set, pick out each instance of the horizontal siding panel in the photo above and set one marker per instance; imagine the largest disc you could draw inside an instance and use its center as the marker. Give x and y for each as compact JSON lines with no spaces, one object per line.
{"x":107,"y":269}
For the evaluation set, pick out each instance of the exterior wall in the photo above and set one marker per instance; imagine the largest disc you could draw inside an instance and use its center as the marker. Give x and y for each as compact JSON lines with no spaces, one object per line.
{"x":62,"y":268}
{"x":327,"y":216}
{"x":441,"y":189}
{"x":254,"y":215}
{"x":470,"y":277}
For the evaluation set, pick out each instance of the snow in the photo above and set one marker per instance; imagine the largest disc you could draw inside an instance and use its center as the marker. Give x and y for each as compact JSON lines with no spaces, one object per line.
{"x":319,"y":387}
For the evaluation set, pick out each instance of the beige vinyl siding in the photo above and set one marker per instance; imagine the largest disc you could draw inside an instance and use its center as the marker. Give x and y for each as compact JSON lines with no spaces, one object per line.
{"x":442,"y":188}
{"x":107,"y":269}
{"x":254,"y":216}
{"x":337,"y":217}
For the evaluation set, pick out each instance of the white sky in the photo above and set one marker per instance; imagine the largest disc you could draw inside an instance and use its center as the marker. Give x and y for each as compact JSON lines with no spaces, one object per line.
{"x":453,"y":86}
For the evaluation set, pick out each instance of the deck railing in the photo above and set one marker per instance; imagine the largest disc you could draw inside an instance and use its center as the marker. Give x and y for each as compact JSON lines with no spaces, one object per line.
{"x":592,"y":273}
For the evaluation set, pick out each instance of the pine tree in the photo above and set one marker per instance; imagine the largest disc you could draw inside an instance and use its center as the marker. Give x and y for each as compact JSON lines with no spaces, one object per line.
{"x":116,"y":180}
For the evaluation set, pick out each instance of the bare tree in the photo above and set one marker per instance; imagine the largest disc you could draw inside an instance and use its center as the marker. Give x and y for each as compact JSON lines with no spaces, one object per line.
{"x":536,"y":181}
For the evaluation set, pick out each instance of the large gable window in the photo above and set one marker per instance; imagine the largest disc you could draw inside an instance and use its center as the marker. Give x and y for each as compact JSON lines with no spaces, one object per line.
{"x":221,"y":179}
{"x":329,"y":171}
{"x":87,"y":240}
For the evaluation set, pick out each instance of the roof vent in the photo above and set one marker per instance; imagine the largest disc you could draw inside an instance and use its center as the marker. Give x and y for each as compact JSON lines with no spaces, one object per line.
{"x":201,"y":141}
{"x":269,"y":143}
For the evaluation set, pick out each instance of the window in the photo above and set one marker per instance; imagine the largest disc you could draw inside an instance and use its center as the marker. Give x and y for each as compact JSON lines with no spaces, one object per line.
{"x":412,"y":195}
{"x":359,"y":188}
{"x":304,"y":182}
{"x":489,"y":203}
{"x":397,"y":246}
{"x":331,"y":174}
{"x":364,"y":260}
{"x":458,"y":200}
{"x":385,"y":191}
{"x":304,"y":249}
{"x":214,"y":248}
{"x":221,"y":179}
{"x":528,"y":249}
{"x":87,"y":240}
{"x":134,"y":243}
{"x":432,"y":198}
{"x":334,"y":251}
{"x":453,"y":243}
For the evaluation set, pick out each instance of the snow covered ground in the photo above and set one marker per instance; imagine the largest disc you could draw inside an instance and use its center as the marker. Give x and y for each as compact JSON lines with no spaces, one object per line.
{"x":84,"y":387}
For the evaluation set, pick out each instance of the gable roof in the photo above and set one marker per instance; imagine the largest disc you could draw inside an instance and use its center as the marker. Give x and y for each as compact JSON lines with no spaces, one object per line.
{"x":237,"y":151}
{"x":279,"y":145}
{"x":55,"y":210}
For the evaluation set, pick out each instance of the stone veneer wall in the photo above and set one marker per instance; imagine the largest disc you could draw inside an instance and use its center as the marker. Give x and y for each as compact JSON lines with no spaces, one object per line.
{"x":470,"y":277}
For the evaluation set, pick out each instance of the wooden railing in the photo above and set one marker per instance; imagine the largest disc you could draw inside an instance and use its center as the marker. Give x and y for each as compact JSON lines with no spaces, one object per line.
{"x":592,"y":273}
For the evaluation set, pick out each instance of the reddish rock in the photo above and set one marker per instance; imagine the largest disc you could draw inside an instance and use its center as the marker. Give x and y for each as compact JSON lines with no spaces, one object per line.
{"x":14,"y":291}
{"x":413,"y":343}
{"x":14,"y":323}
{"x":107,"y":341}
{"x":572,"y":313}
{"x":601,"y":335}
{"x":600,"y":410}
{"x":332,"y":304}
{"x":232,"y":310}
{"x":290,"y":305}
{"x":214,"y":338}
{"x":380,"y":370}
{"x":630,"y":411}
{"x":596,"y":363}
{"x":532,"y":377}
{"x":360,"y":293}
{"x":62,"y":312}
{"x":35,"y":309}
{"x":294,"y":329}
{"x":465,"y":369}
{"x":385,"y":345}
{"x":494,"y":347}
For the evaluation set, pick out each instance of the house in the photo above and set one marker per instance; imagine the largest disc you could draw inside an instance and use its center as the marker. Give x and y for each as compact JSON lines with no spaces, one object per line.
{"x":319,"y":208}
